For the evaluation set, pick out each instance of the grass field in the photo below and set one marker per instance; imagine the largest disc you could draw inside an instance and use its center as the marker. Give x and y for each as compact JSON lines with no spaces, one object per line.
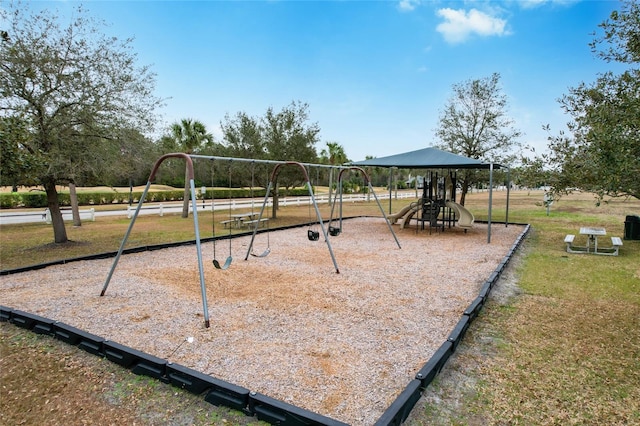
{"x":564,"y":350}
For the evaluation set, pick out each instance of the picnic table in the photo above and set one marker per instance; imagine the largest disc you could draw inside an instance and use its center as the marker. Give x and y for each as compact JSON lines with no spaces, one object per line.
{"x":237,"y":220}
{"x":592,"y":234}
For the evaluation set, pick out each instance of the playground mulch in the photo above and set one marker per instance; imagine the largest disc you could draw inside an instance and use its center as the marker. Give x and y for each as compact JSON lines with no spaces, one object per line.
{"x":285,"y":325}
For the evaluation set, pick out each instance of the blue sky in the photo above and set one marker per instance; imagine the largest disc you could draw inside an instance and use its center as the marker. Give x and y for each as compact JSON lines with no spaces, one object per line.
{"x":376,"y":74}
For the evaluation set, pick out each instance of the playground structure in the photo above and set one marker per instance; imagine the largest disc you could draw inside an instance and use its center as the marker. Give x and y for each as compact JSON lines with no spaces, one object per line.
{"x":437,"y":206}
{"x":313,"y":236}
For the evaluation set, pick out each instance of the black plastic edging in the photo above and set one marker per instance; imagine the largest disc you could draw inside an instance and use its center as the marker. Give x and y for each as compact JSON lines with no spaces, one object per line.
{"x":280,"y":413}
{"x":474,"y":308}
{"x":459,"y":331}
{"x":399,"y":409}
{"x":218,"y":392}
{"x":80,"y":338}
{"x":32,"y":322}
{"x":5,"y":313}
{"x":431,"y":369}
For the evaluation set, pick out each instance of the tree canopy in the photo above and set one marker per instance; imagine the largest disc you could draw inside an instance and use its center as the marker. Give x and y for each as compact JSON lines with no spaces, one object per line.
{"x":602,"y":152}
{"x":475,"y":124}
{"x":74,"y":88}
{"x":285,"y":135}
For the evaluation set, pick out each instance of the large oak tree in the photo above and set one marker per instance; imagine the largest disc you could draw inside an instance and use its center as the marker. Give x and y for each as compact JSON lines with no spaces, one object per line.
{"x":75,"y":88}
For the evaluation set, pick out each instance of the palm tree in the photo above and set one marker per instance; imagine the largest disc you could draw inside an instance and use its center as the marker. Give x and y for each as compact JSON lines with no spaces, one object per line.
{"x":189,"y":136}
{"x":334,"y":154}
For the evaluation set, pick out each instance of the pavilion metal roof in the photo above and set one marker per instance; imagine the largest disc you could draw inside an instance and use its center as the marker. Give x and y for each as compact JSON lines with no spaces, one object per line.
{"x":426,"y":158}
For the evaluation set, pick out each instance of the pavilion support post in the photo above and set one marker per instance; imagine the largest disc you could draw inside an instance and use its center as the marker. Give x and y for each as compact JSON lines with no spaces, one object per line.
{"x":506,"y":218}
{"x":490,"y":202}
{"x":390,"y":187}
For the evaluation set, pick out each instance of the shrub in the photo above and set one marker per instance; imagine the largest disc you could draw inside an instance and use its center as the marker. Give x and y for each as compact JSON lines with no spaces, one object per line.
{"x":34,"y":199}
{"x":10,"y":200}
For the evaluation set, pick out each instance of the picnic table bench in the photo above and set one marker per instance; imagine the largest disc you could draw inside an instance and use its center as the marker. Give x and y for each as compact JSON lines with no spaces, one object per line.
{"x":262,"y":221}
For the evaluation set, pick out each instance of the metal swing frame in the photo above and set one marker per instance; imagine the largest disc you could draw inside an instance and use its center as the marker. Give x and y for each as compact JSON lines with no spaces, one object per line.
{"x":272,"y":179}
{"x":337,"y":231}
{"x":188,"y":158}
{"x":194,"y":201}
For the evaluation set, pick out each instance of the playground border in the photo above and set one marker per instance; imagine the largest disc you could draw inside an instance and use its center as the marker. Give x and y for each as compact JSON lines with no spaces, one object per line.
{"x":222,"y":393}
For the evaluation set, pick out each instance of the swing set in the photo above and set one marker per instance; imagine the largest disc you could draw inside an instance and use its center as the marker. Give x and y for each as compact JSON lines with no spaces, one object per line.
{"x":188,"y":158}
{"x":335,"y":231}
{"x":311,"y":234}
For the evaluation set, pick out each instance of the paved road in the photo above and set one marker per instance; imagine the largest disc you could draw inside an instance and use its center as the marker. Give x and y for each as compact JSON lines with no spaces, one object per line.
{"x":40,"y":215}
{"x":8,"y":217}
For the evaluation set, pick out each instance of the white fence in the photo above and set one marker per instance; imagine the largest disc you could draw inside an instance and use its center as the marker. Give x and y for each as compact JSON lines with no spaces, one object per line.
{"x":89,"y":214}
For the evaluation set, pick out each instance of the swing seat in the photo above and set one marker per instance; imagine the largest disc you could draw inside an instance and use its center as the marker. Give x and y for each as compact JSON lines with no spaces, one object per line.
{"x":226,"y":264}
{"x":313,"y":235}
{"x":334,"y":232}
{"x":264,"y":254}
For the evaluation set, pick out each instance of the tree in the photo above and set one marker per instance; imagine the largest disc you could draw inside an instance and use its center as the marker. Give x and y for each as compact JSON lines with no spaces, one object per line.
{"x":531,"y":173}
{"x":334,"y":155}
{"x":288,"y":137}
{"x":475,"y":124}
{"x":17,"y":164}
{"x":282,"y":136}
{"x":189,"y":136}
{"x":73,"y":87}
{"x":602,"y":152}
{"x":244,"y":138}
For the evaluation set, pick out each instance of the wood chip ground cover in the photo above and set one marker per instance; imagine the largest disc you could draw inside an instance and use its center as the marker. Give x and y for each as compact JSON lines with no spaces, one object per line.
{"x":343,"y":345}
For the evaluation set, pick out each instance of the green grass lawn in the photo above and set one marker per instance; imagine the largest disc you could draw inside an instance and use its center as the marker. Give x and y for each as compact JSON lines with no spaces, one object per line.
{"x":566,"y":350}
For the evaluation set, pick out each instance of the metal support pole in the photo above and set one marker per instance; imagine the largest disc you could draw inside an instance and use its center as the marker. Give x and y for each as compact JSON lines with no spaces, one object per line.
{"x":384,"y":215}
{"x":490,"y":202}
{"x":203,"y":288}
{"x":390,"y":188}
{"x":506,"y":218}
{"x":126,"y":237}
{"x":324,"y":230}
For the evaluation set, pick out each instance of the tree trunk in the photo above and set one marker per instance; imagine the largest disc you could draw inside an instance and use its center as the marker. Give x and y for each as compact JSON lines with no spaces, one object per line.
{"x":185,"y":201}
{"x":59,"y":231}
{"x":274,"y":208}
{"x":465,"y":188}
{"x":75,"y":211}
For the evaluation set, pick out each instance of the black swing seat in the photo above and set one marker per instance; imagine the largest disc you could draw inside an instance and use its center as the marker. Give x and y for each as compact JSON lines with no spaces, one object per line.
{"x":313,"y":235}
{"x":334,"y":232}
{"x":226,"y":264}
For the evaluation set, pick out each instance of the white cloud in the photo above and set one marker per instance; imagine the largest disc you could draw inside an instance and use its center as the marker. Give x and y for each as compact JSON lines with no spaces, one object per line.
{"x":459,"y":24}
{"x":532,"y":4}
{"x":408,"y":5}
